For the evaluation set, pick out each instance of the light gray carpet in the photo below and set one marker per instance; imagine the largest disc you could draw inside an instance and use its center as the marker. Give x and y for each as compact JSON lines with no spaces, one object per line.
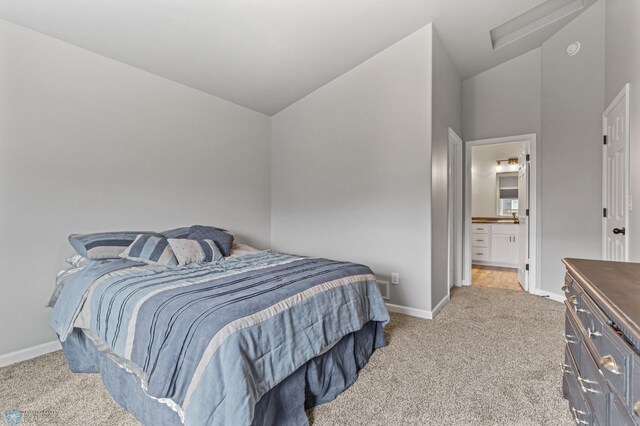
{"x":492,"y":357}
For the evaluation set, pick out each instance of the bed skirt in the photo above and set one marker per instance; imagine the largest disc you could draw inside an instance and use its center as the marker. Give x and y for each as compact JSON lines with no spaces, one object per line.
{"x":320,"y":380}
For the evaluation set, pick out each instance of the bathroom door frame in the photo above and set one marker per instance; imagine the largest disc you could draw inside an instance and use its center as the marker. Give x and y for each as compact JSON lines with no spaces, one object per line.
{"x":534,"y":209}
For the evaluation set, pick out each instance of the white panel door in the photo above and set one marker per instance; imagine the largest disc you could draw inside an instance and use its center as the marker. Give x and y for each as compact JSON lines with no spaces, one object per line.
{"x":523,"y":219}
{"x":615,"y":222}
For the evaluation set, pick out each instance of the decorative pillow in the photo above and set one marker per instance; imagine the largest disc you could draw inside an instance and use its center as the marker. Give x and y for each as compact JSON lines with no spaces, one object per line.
{"x":223,"y":239}
{"x":152,"y":250}
{"x":103,"y":245}
{"x":194,"y":251}
{"x":177,"y":232}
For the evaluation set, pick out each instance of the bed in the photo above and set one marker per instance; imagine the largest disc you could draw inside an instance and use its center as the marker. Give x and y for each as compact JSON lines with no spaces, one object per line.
{"x":254,"y":339}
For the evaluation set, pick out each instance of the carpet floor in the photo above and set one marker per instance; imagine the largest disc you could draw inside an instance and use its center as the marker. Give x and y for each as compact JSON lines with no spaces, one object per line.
{"x":491,"y":357}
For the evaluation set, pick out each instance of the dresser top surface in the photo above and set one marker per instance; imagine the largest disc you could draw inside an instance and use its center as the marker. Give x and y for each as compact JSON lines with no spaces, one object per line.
{"x":618,"y":283}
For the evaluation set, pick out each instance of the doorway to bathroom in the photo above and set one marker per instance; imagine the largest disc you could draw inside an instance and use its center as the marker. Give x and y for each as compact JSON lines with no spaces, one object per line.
{"x":500,"y":213}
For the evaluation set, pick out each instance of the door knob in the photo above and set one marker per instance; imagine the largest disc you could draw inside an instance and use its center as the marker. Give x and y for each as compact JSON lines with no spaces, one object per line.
{"x":619,"y":231}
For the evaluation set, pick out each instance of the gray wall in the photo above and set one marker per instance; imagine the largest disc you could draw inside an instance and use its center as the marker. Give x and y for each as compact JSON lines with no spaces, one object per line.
{"x":572,"y":106}
{"x":89,"y":144}
{"x":447,"y":112}
{"x":560,"y":98}
{"x":351,"y":175}
{"x":505,"y":100}
{"x":622,"y":54}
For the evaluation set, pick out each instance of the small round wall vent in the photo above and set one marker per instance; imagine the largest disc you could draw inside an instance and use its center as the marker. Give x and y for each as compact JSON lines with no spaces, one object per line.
{"x":573,"y":48}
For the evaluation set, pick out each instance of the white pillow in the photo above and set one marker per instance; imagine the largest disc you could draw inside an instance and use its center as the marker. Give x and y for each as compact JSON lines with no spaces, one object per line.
{"x":238,"y":250}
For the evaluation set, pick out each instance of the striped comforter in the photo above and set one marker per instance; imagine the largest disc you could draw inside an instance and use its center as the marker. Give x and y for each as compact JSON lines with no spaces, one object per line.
{"x":209,"y":340}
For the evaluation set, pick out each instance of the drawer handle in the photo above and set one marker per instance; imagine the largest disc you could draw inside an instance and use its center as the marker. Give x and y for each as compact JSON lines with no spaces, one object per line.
{"x":566,"y":368}
{"x":568,"y":337}
{"x":588,"y":382}
{"x":582,"y":310}
{"x":573,"y":299}
{"x":610,"y":364}
{"x":592,"y":333}
{"x":576,"y":416}
{"x":565,"y":288}
{"x":636,"y":409}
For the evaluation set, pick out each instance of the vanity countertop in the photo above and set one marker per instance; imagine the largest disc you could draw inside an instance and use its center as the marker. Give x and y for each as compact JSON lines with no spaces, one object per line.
{"x":493,"y":220}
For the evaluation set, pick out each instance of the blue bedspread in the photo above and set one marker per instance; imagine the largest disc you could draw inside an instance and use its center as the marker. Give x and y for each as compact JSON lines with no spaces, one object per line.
{"x":210,"y":340}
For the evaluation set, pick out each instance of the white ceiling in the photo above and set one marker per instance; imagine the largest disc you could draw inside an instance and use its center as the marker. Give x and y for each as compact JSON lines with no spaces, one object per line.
{"x":267,"y":54}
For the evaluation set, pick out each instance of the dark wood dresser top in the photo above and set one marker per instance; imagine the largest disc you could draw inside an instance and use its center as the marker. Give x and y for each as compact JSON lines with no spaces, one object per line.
{"x":616,"y":284}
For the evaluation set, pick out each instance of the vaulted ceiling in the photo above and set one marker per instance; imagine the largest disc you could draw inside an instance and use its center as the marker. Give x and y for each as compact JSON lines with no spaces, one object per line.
{"x":267,"y":54}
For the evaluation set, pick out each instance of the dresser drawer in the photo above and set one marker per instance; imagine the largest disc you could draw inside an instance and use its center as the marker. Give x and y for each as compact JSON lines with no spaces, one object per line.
{"x":480,"y":240}
{"x":635,"y":390}
{"x":592,"y":319}
{"x":479,"y":228}
{"x":611,"y":351}
{"x":619,"y":414}
{"x":569,"y":288}
{"x":480,"y":253}
{"x":612,"y":360}
{"x":581,"y":411}
{"x":572,"y":335}
{"x":593,"y":386}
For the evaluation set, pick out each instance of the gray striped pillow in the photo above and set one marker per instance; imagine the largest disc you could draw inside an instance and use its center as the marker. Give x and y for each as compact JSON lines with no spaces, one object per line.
{"x":195,"y":251}
{"x":103,"y":245}
{"x":152,"y":250}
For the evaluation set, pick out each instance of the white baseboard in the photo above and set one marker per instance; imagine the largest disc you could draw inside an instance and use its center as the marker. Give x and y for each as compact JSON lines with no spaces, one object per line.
{"x":420,"y":313}
{"x":399,"y":309}
{"x":28,"y":353}
{"x":553,"y":296}
{"x":441,"y":304}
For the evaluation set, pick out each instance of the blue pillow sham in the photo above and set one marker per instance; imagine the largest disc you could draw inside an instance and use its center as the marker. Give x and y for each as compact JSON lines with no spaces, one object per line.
{"x":182,"y":232}
{"x":103,"y":245}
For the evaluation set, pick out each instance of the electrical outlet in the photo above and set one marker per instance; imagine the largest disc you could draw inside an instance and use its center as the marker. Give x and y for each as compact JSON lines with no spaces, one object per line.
{"x":395,"y":278}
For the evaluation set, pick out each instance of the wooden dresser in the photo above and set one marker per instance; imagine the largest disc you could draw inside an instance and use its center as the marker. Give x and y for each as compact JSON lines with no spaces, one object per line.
{"x":601,"y":360}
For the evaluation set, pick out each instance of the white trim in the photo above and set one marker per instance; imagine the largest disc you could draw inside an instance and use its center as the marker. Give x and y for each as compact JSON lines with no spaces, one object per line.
{"x":419,"y":313}
{"x":455,"y":198}
{"x":534,"y":208}
{"x":553,"y":296}
{"x":624,"y":94}
{"x":28,"y":353}
{"x":440,"y":305}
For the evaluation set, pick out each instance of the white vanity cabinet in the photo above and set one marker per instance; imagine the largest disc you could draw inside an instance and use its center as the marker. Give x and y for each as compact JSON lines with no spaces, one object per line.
{"x":495,"y":244}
